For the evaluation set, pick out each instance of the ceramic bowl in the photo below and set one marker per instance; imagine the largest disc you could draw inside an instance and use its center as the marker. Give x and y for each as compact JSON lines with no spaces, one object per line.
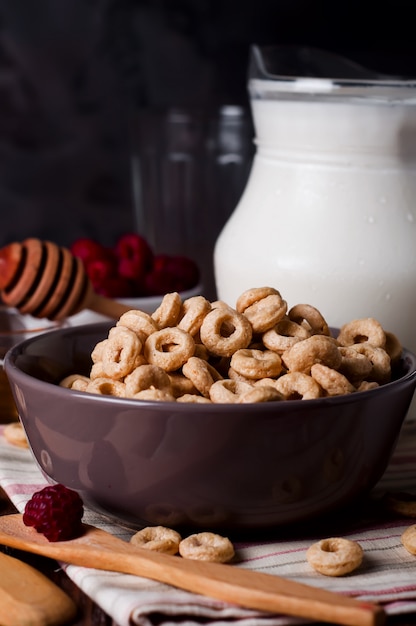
{"x":207,"y":466}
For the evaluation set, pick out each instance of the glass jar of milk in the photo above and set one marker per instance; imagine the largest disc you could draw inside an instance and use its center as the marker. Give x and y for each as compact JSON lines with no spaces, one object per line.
{"x":328,"y":216}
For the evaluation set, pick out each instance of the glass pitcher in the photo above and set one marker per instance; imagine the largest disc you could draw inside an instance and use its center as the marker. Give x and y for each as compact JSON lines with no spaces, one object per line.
{"x":328,"y":215}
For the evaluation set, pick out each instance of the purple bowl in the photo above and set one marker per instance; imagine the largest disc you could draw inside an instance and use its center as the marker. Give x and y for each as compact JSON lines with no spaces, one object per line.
{"x":251,"y":466}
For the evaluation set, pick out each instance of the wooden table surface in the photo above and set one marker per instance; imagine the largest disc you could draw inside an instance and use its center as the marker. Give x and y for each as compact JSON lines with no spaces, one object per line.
{"x":89,"y":614}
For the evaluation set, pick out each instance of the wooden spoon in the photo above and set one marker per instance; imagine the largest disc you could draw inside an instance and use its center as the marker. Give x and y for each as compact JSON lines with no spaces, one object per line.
{"x":45,"y":280}
{"x":29,"y":598}
{"x":101,"y":550}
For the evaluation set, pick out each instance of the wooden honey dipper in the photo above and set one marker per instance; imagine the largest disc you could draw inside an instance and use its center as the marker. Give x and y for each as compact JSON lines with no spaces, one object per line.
{"x":45,"y":280}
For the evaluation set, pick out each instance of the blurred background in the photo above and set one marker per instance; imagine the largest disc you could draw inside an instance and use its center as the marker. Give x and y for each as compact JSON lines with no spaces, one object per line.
{"x":75,"y":75}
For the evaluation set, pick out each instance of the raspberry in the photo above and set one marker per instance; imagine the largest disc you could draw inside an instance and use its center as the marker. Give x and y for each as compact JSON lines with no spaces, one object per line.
{"x":56,"y":512}
{"x":171,"y":273}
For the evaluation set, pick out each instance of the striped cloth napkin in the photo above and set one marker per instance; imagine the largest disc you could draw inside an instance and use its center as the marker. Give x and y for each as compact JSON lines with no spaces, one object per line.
{"x":387,"y":575}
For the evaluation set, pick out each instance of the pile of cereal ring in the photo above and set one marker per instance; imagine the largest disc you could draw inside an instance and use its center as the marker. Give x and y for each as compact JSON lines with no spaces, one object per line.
{"x":260,"y":351}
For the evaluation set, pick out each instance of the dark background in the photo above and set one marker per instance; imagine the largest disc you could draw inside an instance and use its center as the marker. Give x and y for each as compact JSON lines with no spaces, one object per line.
{"x":74,"y":72}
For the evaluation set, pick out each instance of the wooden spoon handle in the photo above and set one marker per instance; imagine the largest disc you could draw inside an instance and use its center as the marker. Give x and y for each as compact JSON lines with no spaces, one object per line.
{"x":29,"y":598}
{"x":230,"y":583}
{"x":106,"y":306}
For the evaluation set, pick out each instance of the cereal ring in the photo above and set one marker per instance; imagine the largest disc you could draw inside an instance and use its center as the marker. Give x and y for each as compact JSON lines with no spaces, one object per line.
{"x":193,"y":398}
{"x":365,"y":330}
{"x":256,"y":364}
{"x":75,"y":381}
{"x":120,"y":352}
{"x":228,"y":391}
{"x":354,"y":365}
{"x":380,"y":361}
{"x":263,"y":307}
{"x":298,"y":386}
{"x":154,"y":394}
{"x":207,"y":546}
{"x":193,"y":312}
{"x":335,"y":556}
{"x":14,"y":433}
{"x":180,"y":385}
{"x":366,"y":385}
{"x":332,"y":382}
{"x":408,"y":539}
{"x":402,"y":503}
{"x":201,"y":373}
{"x":393,"y":347}
{"x":306,"y":314}
{"x":107,"y":387}
{"x":147,"y":377}
{"x":97,"y":371}
{"x":167,"y":313}
{"x":97,"y":353}
{"x":233,"y":375}
{"x":157,"y":538}
{"x":201,"y":351}
{"x":260,"y":394}
{"x":223,"y":332}
{"x":284,"y":335}
{"x":316,"y":349}
{"x":139,"y":322}
{"x":169,"y":348}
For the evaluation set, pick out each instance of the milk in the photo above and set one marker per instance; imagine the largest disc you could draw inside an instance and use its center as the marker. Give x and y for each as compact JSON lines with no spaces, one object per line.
{"x":328,"y":215}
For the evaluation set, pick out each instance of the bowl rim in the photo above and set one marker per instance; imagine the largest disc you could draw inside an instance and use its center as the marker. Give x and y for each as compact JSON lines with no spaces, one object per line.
{"x":265,"y":407}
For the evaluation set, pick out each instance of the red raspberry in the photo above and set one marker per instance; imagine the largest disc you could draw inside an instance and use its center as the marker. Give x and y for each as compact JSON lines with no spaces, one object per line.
{"x":88,"y":249}
{"x":56,"y":512}
{"x":134,"y":256}
{"x":171,"y":273}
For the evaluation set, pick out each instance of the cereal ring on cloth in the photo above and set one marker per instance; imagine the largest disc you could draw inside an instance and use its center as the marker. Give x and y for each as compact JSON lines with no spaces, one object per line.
{"x":331,"y":381}
{"x":201,"y":373}
{"x":192,"y":314}
{"x":120,"y":352}
{"x":298,"y":386}
{"x":107,"y":387}
{"x":228,"y":391}
{"x":75,"y":381}
{"x":284,"y":335}
{"x":224,"y":332}
{"x":169,"y":348}
{"x":207,"y":546}
{"x":147,"y":377}
{"x":365,"y":330}
{"x":263,"y":307}
{"x":315,"y":349}
{"x":335,"y":556}
{"x":408,"y":539}
{"x":157,"y":538}
{"x":256,"y":364}
{"x":402,"y":503}
{"x":308,"y":316}
{"x":139,"y":322}
{"x":167,"y":313}
{"x":15,"y":434}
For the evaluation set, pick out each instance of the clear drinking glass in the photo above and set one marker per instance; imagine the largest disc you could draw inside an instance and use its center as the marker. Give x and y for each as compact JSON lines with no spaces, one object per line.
{"x":189,"y":168}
